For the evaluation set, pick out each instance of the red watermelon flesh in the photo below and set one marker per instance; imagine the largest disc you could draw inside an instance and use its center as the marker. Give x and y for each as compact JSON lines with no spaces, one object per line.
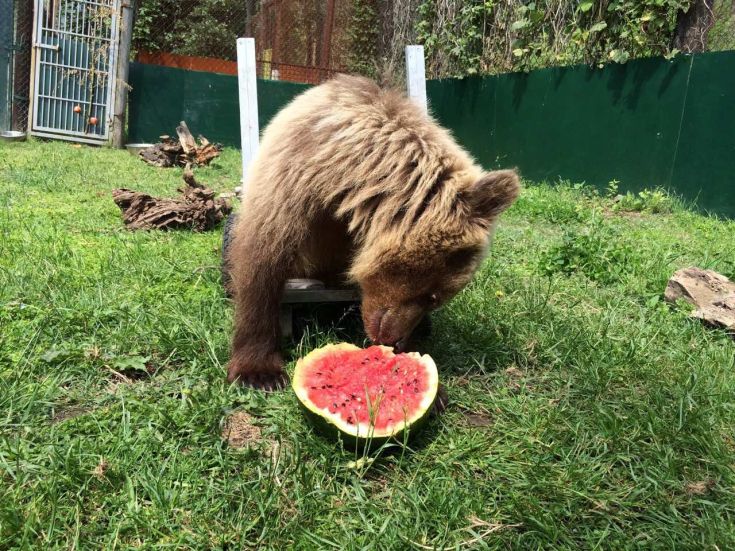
{"x":366,"y":391}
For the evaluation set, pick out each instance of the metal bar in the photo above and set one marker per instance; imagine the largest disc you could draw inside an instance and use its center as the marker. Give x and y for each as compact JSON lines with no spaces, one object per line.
{"x":61,"y":98}
{"x":56,"y":73}
{"x":111,"y":72}
{"x":73,"y":59}
{"x":70,"y":137}
{"x":54,"y":47}
{"x":64,"y":90}
{"x":36,"y":69}
{"x":72,"y":67}
{"x":83,"y":81}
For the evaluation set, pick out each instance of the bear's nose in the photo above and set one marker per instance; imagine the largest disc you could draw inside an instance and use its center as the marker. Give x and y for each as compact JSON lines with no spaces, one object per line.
{"x":400,"y":345}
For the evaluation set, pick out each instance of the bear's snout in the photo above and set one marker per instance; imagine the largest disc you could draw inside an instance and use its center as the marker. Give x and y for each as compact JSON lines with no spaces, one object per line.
{"x":392,"y":326}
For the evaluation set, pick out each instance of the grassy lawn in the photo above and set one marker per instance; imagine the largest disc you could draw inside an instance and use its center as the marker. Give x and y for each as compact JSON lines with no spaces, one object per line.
{"x":585,"y":412}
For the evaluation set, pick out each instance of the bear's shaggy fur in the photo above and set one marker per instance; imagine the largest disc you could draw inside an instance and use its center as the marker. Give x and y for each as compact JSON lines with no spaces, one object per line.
{"x":354,"y":182}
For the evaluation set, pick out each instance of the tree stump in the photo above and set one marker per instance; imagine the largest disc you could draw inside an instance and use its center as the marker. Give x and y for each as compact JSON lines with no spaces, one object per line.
{"x":182,"y":152}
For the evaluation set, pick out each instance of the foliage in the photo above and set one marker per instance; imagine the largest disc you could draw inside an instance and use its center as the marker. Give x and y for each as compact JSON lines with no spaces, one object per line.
{"x":722,"y":34}
{"x":488,"y":36}
{"x":203,"y":28}
{"x":596,"y":250}
{"x":362,"y":34}
{"x":656,"y":201}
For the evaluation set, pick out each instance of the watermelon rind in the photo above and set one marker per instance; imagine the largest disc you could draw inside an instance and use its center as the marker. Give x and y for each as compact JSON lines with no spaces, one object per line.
{"x":361,"y":433}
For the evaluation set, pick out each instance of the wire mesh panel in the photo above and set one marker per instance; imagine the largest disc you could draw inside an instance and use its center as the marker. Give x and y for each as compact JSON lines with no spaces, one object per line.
{"x":6,"y":51}
{"x":304,"y":41}
{"x":16,"y":28}
{"x":74,"y":68}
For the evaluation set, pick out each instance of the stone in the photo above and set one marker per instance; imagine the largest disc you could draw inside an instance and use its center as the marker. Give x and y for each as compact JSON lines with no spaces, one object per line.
{"x":711,"y":293}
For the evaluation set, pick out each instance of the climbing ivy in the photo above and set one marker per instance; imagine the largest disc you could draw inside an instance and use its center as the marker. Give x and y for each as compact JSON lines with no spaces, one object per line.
{"x":488,"y":36}
{"x":362,"y":34}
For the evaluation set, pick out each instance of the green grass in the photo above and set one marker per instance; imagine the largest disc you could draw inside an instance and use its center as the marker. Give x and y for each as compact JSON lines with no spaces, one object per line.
{"x":585,"y":412}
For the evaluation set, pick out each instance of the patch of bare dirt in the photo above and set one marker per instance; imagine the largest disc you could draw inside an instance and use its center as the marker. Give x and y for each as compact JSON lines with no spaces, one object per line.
{"x":699,"y":488}
{"x":515,"y":376}
{"x":477,"y":420}
{"x":65,"y":413}
{"x":628,"y":214}
{"x":240,"y":430}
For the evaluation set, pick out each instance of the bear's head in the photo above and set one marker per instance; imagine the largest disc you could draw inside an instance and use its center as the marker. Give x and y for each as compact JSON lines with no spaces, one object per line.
{"x":416,"y":265}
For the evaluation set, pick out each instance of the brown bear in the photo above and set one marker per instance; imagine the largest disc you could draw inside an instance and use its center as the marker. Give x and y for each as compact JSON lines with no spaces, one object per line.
{"x":357,"y":183}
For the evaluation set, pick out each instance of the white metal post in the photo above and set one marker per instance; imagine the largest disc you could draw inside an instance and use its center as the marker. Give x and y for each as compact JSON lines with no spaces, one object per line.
{"x":416,"y":75}
{"x":248,"y":99}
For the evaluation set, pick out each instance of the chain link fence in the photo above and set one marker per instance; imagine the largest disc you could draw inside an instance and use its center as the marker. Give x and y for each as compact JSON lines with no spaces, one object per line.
{"x":296,"y":40}
{"x":16,"y":30}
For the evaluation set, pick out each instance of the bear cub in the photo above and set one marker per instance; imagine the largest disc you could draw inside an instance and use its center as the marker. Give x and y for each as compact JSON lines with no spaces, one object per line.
{"x":356,"y":183}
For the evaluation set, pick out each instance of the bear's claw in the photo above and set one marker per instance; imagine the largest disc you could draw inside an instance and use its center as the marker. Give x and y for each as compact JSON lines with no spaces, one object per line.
{"x":266,"y":381}
{"x":265,"y":373}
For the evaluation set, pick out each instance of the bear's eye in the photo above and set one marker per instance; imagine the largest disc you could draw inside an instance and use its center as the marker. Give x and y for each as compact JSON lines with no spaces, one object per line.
{"x":433,"y":299}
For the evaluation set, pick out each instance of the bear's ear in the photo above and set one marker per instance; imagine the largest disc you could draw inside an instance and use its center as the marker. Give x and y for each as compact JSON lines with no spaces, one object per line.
{"x":493,"y":193}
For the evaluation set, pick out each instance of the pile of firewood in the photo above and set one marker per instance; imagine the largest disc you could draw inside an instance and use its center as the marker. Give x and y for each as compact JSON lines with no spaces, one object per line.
{"x":182,"y":152}
{"x":197,"y":209}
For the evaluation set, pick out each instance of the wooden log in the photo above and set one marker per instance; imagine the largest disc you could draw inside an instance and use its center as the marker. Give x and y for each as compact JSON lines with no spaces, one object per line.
{"x":187,"y":141}
{"x":197,"y":209}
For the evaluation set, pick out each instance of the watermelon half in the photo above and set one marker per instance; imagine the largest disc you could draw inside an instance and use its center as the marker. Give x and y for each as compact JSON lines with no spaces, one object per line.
{"x":366,"y":395}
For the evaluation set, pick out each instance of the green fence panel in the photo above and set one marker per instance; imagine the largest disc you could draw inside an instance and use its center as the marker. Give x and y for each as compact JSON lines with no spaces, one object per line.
{"x":161,"y":97}
{"x":583,"y":124}
{"x":650,"y":122}
{"x":591,"y":125}
{"x":705,"y":159}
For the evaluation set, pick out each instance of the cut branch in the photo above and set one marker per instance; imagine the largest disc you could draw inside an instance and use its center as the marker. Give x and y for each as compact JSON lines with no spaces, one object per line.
{"x":182,"y":152}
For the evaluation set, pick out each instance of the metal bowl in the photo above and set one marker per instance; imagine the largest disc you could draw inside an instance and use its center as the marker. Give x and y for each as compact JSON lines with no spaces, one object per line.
{"x":135,"y":148}
{"x":12,"y":136}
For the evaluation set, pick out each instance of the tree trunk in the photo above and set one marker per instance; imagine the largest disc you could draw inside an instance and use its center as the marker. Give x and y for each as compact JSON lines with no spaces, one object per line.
{"x":692,"y":27}
{"x":250,"y":10}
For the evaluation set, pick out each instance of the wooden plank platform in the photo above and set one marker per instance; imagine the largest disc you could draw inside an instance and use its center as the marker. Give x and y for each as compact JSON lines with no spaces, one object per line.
{"x":305,"y":296}
{"x":304,"y":291}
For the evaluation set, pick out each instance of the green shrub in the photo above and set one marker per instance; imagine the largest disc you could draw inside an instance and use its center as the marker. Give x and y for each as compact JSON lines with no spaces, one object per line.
{"x":598,"y":250}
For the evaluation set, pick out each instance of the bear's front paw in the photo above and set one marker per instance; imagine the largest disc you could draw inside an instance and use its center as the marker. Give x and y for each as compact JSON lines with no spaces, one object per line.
{"x":261,"y":374}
